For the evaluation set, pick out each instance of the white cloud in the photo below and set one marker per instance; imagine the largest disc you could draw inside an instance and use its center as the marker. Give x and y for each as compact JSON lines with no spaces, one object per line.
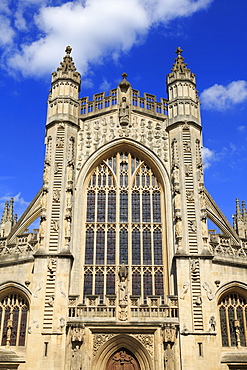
{"x":105,"y":86}
{"x":241,"y":128}
{"x":94,"y":28}
{"x":20,"y":204}
{"x":208,"y":156}
{"x":219,"y":97}
{"x":6,"y":31}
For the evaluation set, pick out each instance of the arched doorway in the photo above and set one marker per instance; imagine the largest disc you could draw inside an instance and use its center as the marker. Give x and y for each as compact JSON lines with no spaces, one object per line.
{"x":122,"y":359}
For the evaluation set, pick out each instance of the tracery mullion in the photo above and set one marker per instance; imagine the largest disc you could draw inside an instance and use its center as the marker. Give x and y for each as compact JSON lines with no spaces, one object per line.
{"x":19,"y":325}
{"x":117,"y":207}
{"x":129,"y":246}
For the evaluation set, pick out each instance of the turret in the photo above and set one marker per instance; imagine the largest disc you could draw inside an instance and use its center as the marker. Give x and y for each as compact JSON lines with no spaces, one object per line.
{"x":240,"y":219}
{"x":8,"y":218}
{"x":65,"y":87}
{"x":183,"y":101}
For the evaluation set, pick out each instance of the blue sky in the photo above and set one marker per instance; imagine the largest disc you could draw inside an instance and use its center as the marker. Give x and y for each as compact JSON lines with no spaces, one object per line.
{"x":110,"y":37}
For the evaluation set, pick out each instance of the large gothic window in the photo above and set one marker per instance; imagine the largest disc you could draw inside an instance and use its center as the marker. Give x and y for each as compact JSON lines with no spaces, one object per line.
{"x":123,"y":224}
{"x":13,"y":319}
{"x":233,"y":320}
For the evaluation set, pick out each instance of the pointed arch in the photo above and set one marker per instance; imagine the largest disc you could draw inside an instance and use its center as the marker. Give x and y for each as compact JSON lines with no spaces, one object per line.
{"x":123,"y":341}
{"x":142,"y":223}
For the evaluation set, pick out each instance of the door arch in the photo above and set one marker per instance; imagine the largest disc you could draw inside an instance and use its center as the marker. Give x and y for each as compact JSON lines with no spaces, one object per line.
{"x":122,"y":359}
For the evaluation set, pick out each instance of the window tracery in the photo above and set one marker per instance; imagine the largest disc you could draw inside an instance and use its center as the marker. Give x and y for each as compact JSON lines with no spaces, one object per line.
{"x":233,"y":320}
{"x":13,"y":320}
{"x":123,"y":224}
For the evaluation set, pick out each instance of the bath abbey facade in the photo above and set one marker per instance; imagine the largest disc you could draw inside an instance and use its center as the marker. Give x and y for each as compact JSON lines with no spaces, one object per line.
{"x":123,"y":273}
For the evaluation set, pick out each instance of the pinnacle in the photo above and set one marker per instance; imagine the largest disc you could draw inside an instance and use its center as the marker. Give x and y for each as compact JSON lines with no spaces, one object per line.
{"x":67,"y":64}
{"x":179,"y":65}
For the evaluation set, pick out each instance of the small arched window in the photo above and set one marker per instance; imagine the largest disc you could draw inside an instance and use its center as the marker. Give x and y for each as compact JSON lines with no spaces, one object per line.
{"x":233,"y":319}
{"x":13,"y":319}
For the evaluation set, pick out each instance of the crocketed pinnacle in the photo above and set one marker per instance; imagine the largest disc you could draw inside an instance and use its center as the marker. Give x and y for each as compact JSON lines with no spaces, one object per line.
{"x":67,"y":64}
{"x":179,"y":65}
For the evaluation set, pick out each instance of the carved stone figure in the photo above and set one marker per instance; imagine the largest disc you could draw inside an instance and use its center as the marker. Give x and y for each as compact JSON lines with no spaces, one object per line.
{"x":76,"y":362}
{"x":124,"y":112}
{"x":212,"y":323}
{"x":210,"y":294}
{"x":184,"y":291}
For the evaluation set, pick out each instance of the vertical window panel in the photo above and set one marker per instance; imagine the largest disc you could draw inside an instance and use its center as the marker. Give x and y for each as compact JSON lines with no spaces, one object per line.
{"x":231,"y":326}
{"x":99,"y":285}
{"x":159,"y":284}
{"x":147,"y":284}
{"x":13,"y":337}
{"x":223,"y":325}
{"x":136,"y":283}
{"x":156,"y":207}
{"x":88,"y":283}
{"x":123,"y":247}
{"x":241,"y":326}
{"x":90,"y":206}
{"x":100,"y":246}
{"x":23,"y":326}
{"x":135,"y":207}
{"x":146,"y":207}
{"x":136,"y":247}
{"x":123,"y":207}
{"x":112,"y":207}
{"x":5,"y":326}
{"x":157,"y":238}
{"x":110,"y":283}
{"x":101,"y":206}
{"x":89,"y":246}
{"x":147,"y":257}
{"x":111,"y":246}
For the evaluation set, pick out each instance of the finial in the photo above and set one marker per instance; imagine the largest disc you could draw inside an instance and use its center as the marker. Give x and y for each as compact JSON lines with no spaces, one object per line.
{"x":68,"y":50}
{"x":178,"y":51}
{"x":124,"y":75}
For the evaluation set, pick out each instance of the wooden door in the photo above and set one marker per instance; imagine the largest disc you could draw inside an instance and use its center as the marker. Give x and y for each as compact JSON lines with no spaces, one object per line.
{"x":122,"y":359}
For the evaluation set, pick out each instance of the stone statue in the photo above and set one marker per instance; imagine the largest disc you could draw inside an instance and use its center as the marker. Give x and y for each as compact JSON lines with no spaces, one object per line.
{"x":76,"y":359}
{"x":124,"y":112}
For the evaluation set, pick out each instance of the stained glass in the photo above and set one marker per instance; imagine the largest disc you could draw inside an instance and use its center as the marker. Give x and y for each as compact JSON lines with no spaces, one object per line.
{"x":231,"y":326}
{"x":90,"y":206}
{"x":147,"y":283}
{"x":88,"y":280}
{"x":159,"y":284}
{"x":89,"y":246}
{"x":111,"y":246}
{"x":123,"y":207}
{"x":135,"y":207}
{"x":100,"y":246}
{"x":5,"y":326}
{"x":112,"y":206}
{"x":156,"y":207}
{"x":108,"y":225}
{"x":146,"y":207}
{"x":241,"y":326}
{"x":157,"y":247}
{"x":14,"y":326}
{"x":136,"y":251}
{"x":110,"y":283}
{"x":136,"y":283}
{"x":147,"y":258}
{"x":101,"y":206}
{"x":99,"y":285}
{"x":23,"y":327}
{"x":123,"y":247}
{"x":223,"y":326}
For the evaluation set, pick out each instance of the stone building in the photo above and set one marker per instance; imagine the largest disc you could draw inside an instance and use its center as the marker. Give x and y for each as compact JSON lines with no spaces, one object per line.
{"x":123,"y":272}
